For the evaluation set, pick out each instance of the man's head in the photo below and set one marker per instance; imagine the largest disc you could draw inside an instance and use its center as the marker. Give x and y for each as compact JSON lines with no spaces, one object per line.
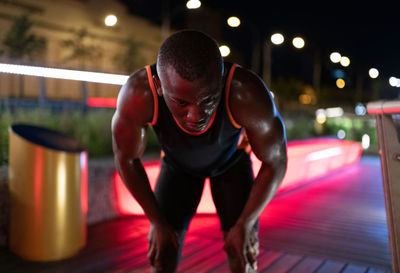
{"x":190,"y":70}
{"x":191,"y":53}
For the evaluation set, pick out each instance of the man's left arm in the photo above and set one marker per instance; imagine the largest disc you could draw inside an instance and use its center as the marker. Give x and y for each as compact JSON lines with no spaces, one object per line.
{"x":253,"y":108}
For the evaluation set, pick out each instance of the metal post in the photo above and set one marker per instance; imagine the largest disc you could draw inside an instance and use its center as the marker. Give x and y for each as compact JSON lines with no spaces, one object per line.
{"x":389,"y":150}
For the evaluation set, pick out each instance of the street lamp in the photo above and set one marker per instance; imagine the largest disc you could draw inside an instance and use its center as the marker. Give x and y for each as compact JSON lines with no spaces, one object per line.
{"x":373,"y":73}
{"x":335,"y":57}
{"x":298,"y":42}
{"x":225,"y":51}
{"x":193,"y":4}
{"x":277,"y":38}
{"x":110,"y":20}
{"x":394,"y":82}
{"x":344,"y":61}
{"x":233,"y":21}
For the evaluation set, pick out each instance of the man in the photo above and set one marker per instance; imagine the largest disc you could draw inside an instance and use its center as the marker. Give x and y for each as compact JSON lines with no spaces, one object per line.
{"x":199,"y":108}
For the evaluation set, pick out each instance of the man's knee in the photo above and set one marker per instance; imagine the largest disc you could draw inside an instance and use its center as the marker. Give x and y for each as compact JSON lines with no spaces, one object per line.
{"x":166,"y":260}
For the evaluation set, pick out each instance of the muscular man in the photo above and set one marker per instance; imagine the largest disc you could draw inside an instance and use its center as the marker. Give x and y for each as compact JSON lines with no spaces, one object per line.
{"x":199,"y":107}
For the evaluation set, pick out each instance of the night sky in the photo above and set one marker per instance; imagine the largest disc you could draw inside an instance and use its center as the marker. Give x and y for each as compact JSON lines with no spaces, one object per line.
{"x":368,"y":33}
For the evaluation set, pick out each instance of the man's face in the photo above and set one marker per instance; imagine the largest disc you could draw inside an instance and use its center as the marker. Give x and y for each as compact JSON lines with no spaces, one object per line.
{"x":192,"y":103}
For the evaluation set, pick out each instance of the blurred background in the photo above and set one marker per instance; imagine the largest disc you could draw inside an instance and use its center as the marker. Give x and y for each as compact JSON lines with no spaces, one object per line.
{"x":322,"y":62}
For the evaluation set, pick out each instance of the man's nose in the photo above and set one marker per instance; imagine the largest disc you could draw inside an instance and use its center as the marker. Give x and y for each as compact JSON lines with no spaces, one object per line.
{"x":194,"y":114}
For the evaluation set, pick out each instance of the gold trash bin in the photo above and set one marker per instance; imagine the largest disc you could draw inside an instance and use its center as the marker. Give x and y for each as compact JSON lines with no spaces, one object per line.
{"x":48,"y":193}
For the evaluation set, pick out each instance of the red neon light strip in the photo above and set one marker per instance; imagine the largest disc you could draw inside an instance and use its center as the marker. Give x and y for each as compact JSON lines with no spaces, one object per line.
{"x":102,"y":102}
{"x":307,"y":160}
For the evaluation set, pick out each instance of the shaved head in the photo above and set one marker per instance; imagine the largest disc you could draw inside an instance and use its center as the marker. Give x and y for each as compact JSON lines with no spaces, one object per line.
{"x":191,"y":53}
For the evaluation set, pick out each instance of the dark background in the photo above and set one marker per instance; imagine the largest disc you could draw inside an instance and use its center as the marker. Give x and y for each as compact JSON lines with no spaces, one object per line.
{"x":368,"y":33}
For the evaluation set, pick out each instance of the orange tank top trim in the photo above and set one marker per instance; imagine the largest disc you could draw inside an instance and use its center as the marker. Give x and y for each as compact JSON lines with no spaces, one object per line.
{"x":198,"y":133}
{"x":155,"y":96}
{"x":227,"y":90}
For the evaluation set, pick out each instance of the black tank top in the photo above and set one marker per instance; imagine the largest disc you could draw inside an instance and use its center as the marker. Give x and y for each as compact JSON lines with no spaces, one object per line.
{"x":206,"y":154}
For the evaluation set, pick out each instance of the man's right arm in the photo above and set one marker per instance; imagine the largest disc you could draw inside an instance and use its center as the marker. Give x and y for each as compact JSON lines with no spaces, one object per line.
{"x":134,"y":110}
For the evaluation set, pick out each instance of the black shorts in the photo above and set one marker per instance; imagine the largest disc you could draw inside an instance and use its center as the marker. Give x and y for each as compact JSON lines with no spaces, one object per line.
{"x":178,"y":193}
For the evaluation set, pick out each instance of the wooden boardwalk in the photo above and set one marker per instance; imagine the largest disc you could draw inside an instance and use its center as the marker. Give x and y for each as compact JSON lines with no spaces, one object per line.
{"x":336,"y":224}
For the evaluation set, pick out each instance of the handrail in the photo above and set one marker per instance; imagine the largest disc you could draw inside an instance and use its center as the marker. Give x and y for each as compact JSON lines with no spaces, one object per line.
{"x":389,"y":151}
{"x":383,"y":107}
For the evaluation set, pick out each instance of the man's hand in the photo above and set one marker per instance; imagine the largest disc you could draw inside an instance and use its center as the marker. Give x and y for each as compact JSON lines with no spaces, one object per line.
{"x":242,"y":247}
{"x":163,"y":247}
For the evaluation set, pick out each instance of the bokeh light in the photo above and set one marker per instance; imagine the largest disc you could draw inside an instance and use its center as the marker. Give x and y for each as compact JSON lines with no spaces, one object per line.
{"x":341,"y":134}
{"x":110,"y":20}
{"x":298,"y":42}
{"x":233,"y":21}
{"x":320,"y":116}
{"x":193,"y":4}
{"x":335,"y":57}
{"x":305,"y":99}
{"x":360,"y":109}
{"x":277,"y":38}
{"x":225,"y":51}
{"x":373,"y":73}
{"x":365,"y":141}
{"x":345,"y":61}
{"x":395,"y":82}
{"x":340,"y":83}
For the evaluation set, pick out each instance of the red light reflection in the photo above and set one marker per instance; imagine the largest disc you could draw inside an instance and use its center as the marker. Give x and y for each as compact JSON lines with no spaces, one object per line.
{"x":307,"y":160}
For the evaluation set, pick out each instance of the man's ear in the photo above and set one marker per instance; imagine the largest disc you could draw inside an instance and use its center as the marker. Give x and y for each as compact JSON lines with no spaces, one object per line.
{"x":157,"y":85}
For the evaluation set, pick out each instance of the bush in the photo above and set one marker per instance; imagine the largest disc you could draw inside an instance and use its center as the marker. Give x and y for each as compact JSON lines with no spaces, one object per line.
{"x":92,"y":129}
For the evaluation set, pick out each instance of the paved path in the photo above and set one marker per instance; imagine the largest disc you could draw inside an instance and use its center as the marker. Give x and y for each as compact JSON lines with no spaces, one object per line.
{"x":335,"y":224}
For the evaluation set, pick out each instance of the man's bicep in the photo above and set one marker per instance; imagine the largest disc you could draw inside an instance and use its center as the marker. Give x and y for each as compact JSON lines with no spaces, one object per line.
{"x":268,"y":140}
{"x":129,"y":138}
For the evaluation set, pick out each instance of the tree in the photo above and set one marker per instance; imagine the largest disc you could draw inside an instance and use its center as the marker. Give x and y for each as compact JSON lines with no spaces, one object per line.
{"x":80,"y":49}
{"x":129,"y":59}
{"x":20,"y":44}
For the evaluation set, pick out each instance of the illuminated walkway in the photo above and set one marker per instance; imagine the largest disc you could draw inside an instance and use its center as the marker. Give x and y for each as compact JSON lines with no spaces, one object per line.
{"x":335,"y":224}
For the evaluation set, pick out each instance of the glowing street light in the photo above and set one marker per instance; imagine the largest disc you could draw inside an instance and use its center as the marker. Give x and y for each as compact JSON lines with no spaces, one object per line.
{"x":335,"y":57}
{"x":110,"y":20}
{"x":233,"y":21}
{"x":225,"y":51}
{"x":345,"y":61}
{"x":373,"y":73}
{"x":395,"y":82}
{"x":340,"y":83}
{"x":298,"y":42}
{"x":277,"y":38}
{"x":193,"y":4}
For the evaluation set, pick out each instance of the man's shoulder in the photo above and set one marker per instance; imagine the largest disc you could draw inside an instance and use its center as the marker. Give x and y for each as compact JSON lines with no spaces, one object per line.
{"x":249,"y":98}
{"x":245,"y":84}
{"x":135,"y":95}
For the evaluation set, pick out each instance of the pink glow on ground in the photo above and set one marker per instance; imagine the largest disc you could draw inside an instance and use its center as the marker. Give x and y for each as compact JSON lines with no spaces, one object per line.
{"x":307,"y":160}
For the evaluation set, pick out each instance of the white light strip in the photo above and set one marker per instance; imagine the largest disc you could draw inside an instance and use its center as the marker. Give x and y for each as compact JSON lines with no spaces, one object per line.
{"x":330,"y":152}
{"x":65,"y":74}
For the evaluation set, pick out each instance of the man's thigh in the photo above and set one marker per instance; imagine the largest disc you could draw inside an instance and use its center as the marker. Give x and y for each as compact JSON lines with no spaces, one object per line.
{"x":178,"y":195}
{"x":231,"y":190}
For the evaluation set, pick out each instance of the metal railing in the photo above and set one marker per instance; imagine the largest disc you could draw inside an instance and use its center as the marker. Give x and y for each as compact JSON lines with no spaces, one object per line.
{"x":387,"y":114}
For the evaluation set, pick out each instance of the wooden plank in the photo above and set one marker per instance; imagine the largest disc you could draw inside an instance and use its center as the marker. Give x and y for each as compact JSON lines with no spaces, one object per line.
{"x":352,"y":268}
{"x":283,"y":264}
{"x":267,"y":258}
{"x":200,"y":257}
{"x":307,"y":265}
{"x":331,"y":267}
{"x":374,"y":270}
{"x":336,"y":218}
